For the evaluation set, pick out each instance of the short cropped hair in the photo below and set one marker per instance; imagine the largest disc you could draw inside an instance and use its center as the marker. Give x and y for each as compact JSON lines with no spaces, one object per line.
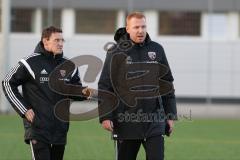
{"x":47,"y":32}
{"x":138,"y":15}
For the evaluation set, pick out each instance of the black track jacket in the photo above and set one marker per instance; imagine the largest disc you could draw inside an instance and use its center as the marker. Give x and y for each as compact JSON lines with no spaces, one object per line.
{"x":32,"y":73}
{"x":147,"y":118}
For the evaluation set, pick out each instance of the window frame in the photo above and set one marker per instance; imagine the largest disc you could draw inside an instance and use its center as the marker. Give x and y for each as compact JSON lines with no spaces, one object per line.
{"x":96,"y":11}
{"x":199,"y":35}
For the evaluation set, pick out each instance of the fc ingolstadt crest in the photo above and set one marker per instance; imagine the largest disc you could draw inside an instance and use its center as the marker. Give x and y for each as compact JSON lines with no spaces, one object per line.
{"x":63,"y":73}
{"x":152,"y":55}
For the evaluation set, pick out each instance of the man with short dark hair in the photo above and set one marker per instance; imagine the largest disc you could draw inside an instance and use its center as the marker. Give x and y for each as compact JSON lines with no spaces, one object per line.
{"x":43,"y":130}
{"x":125,"y":73}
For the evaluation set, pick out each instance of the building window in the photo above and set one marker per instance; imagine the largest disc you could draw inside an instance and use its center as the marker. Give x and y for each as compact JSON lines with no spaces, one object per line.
{"x":22,"y":20}
{"x":217,"y":25}
{"x":97,"y":22}
{"x":54,"y":20}
{"x":180,"y":23}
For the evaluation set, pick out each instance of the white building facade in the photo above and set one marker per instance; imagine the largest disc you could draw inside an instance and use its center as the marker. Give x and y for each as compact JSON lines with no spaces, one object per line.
{"x":201,"y":39}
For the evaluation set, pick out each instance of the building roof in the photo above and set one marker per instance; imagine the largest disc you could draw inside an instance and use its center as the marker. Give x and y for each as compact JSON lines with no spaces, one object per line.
{"x":173,"y":5}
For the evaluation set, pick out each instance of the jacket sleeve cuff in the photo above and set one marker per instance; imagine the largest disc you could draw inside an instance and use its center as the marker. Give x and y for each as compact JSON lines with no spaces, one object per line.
{"x":101,"y":119}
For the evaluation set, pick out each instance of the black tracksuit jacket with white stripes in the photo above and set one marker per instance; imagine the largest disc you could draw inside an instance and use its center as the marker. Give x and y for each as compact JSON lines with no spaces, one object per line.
{"x":32,"y":73}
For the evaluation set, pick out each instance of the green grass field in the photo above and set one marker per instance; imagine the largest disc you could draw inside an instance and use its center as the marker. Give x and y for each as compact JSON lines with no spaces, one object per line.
{"x":192,"y":140}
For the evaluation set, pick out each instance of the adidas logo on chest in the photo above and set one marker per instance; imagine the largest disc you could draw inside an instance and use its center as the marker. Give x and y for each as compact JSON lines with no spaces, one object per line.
{"x":43,"y":71}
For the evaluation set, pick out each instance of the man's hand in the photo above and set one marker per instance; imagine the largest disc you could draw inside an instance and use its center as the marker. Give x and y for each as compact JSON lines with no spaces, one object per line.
{"x":171,"y":125}
{"x":29,"y":115}
{"x":88,"y":92}
{"x":108,"y":125}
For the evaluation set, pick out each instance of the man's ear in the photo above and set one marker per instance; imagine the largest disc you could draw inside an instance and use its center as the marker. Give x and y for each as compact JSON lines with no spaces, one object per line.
{"x":127,"y":29}
{"x":44,"y":41}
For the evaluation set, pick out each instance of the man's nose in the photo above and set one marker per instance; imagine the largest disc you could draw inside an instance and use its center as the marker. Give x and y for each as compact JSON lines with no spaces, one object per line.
{"x":140,"y":30}
{"x":60,"y":43}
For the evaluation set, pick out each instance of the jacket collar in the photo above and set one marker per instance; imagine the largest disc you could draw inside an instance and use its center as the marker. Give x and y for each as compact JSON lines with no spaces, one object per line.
{"x":122,"y":35}
{"x":40,"y":49}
